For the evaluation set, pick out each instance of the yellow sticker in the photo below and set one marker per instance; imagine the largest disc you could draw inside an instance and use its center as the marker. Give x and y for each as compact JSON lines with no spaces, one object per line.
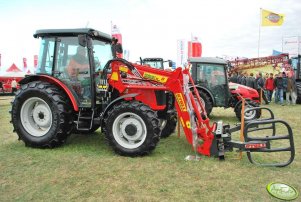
{"x":188,"y":124}
{"x":114,"y":76}
{"x":181,"y":102}
{"x":155,"y":77}
{"x":123,"y":69}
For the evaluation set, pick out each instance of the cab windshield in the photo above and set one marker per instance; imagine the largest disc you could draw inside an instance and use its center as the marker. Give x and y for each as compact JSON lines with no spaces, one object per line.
{"x":211,"y":74}
{"x":155,"y":64}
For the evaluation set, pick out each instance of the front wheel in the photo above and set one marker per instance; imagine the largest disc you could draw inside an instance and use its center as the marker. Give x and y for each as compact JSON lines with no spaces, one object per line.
{"x":132,"y":129}
{"x":251,"y":115}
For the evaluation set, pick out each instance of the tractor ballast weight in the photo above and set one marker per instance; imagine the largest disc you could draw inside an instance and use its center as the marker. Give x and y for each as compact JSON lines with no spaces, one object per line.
{"x":128,"y":101}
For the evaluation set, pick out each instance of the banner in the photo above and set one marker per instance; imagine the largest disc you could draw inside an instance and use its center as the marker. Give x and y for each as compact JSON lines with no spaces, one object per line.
{"x":116,"y":33}
{"x":194,"y":49}
{"x":269,"y":18}
{"x":181,"y":53}
{"x":24,"y":64}
{"x":35,"y":61}
{"x":291,"y":45}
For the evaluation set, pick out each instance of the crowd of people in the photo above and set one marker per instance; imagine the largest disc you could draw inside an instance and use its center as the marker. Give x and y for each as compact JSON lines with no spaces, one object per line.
{"x":281,"y":86}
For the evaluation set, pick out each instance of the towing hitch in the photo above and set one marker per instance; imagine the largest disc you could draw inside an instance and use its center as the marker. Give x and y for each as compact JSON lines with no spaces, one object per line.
{"x":267,"y":142}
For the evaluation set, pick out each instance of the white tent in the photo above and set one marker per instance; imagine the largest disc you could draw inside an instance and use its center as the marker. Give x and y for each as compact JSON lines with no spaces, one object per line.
{"x":12,"y":72}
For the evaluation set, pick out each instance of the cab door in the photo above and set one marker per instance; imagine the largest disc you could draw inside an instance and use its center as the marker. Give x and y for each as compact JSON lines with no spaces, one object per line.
{"x":72,"y":66}
{"x":214,"y":78}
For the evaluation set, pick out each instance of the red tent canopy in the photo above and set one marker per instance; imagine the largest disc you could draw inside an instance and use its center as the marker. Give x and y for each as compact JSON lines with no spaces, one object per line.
{"x":13,"y":72}
{"x":13,"y":68}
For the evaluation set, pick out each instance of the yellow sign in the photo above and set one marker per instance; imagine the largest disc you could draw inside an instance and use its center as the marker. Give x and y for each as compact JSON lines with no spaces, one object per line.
{"x":155,"y":77}
{"x":181,"y":102}
{"x":123,"y":69}
{"x":114,"y":76}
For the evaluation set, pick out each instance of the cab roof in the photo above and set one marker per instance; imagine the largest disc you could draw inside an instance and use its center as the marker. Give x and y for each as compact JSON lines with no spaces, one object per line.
{"x":73,"y":32}
{"x":210,"y":60}
{"x":153,"y":59}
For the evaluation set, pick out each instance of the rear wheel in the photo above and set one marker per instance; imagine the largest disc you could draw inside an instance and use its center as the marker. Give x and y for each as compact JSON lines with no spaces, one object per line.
{"x":132,"y":129}
{"x":251,"y":115}
{"x":41,"y":115}
{"x":205,"y":98}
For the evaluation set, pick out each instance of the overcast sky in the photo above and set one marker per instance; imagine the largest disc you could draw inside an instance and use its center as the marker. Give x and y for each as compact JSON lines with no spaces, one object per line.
{"x":150,"y":28}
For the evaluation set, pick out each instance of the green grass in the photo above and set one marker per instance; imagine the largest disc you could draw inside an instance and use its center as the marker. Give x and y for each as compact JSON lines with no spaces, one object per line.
{"x":86,"y":169}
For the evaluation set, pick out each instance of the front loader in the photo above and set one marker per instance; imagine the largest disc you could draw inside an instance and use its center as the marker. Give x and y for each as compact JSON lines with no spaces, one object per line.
{"x":128,"y":101}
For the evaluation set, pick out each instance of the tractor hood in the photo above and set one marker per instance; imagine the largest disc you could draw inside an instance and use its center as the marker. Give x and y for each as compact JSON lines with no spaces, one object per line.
{"x":246,"y":91}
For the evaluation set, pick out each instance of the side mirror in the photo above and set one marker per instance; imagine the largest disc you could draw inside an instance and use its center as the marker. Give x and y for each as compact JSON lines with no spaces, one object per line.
{"x":169,"y":63}
{"x":82,"y":40}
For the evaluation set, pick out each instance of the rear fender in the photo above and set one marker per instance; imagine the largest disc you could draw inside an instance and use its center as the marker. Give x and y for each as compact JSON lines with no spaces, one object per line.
{"x":56,"y":82}
{"x":207,"y":91}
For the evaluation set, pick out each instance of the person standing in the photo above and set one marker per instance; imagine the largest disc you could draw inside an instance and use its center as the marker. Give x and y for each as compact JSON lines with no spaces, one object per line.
{"x":284,"y":78}
{"x":291,"y":89}
{"x":278,"y":82}
{"x":14,"y":85}
{"x":233,"y":77}
{"x":243,"y":80}
{"x":250,"y":81}
{"x":260,"y":87}
{"x":240,"y":75}
{"x":269,"y":86}
{"x":266,"y":76}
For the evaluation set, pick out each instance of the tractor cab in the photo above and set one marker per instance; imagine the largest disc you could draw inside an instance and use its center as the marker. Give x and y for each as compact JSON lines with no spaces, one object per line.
{"x":211,"y":74}
{"x":74,"y":56}
{"x":157,"y":63}
{"x":211,"y":79}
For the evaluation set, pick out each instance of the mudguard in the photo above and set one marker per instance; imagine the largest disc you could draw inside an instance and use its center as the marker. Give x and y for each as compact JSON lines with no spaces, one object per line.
{"x":132,"y":95}
{"x":55,"y":81}
{"x":205,"y":89}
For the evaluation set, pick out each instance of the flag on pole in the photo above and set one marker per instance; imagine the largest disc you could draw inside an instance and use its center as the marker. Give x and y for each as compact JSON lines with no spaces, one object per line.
{"x":269,"y":18}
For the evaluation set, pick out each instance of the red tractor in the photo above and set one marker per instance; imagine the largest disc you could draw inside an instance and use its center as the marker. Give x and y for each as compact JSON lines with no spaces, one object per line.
{"x":211,"y":79}
{"x":128,"y":101}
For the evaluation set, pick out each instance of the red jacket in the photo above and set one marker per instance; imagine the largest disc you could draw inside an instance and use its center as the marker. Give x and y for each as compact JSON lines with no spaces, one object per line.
{"x":269,"y":84}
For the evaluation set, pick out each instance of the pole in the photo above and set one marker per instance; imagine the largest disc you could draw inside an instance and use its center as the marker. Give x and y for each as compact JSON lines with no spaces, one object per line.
{"x":242,"y":125}
{"x":259,"y":30}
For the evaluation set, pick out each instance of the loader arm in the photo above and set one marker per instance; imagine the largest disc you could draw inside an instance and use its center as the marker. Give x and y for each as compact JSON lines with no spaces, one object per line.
{"x":188,"y":103}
